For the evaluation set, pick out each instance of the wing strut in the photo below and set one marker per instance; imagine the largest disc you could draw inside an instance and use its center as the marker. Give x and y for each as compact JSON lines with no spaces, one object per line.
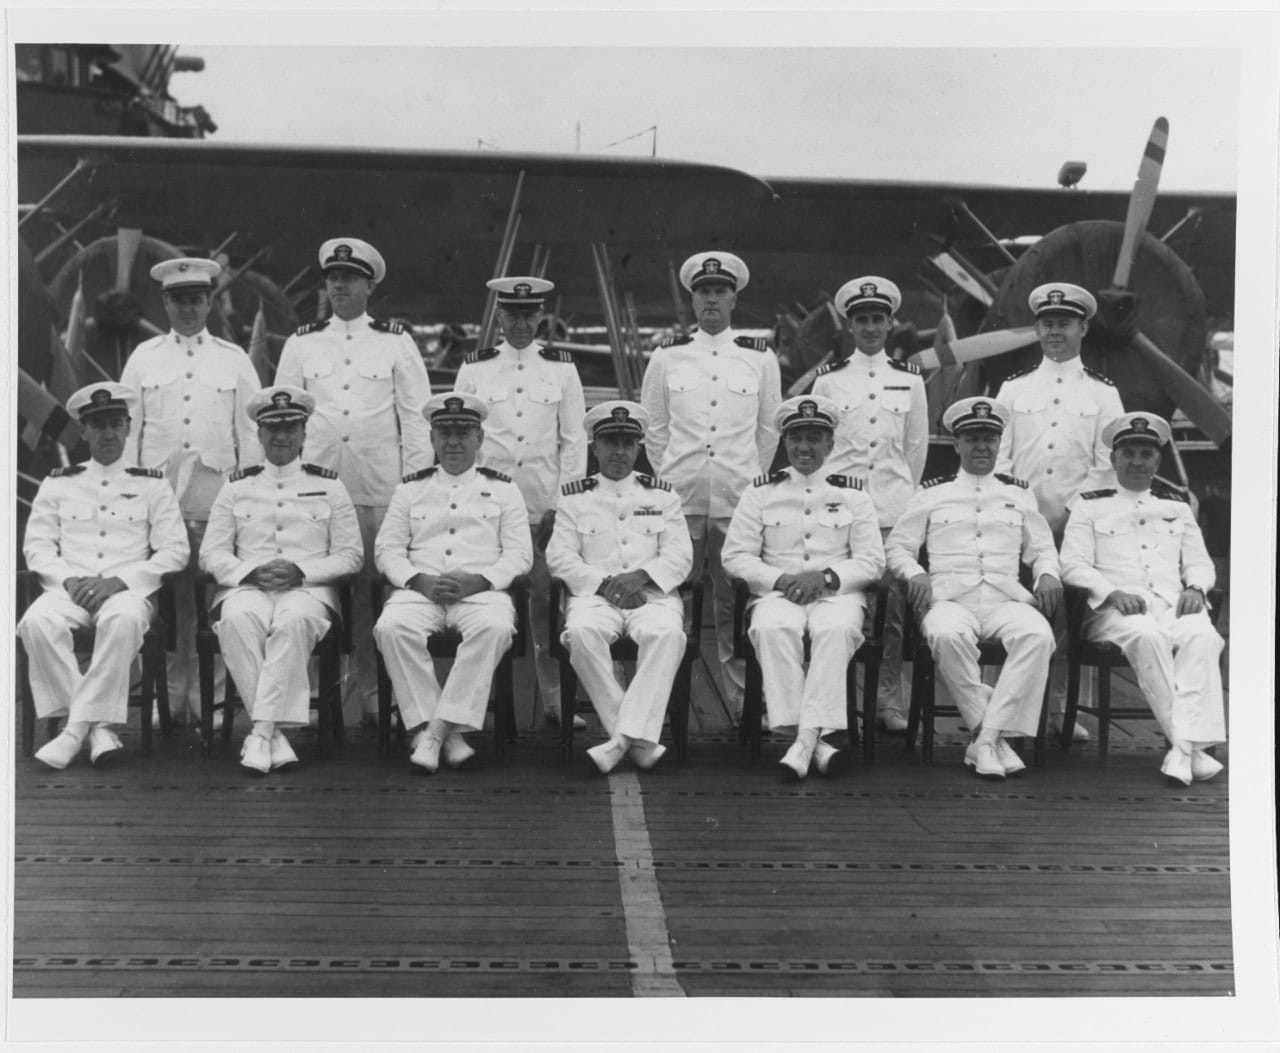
{"x":504,"y":261}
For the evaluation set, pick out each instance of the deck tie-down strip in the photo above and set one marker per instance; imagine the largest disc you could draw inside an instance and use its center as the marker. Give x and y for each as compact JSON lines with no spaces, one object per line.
{"x":636,"y":860}
{"x":412,"y":963}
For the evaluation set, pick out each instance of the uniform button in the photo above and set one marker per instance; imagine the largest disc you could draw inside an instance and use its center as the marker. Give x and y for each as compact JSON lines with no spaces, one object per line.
{"x":1048,"y":471}
{"x":713,"y":427}
{"x":103,"y":533}
{"x":448,"y":552}
{"x":519,"y":438}
{"x":102,"y":508}
{"x":104,"y":482}
{"x":711,"y":453}
{"x":519,"y":413}
{"x":979,"y":535}
{"x":279,"y":552}
{"x":1059,"y":380}
{"x":453,"y":506}
{"x":872,"y":395}
{"x":873,"y":442}
{"x":189,"y":376}
{"x":348,"y":337}
{"x":186,"y":420}
{"x":520,"y":366}
{"x":1144,"y":546}
{"x":186,"y":445}
{"x":715,"y":378}
{"x":348,"y":360}
{"x":626,"y":566}
{"x":715,"y":354}
{"x":279,"y":527}
{"x":519,"y":391}
{"x":621,"y":518}
{"x":808,"y":489}
{"x":873,"y":420}
{"x":519,"y":464}
{"x":1056,"y":401}
{"x":99,"y":555}
{"x":346,"y":413}
{"x":346,"y":438}
{"x":190,"y":354}
{"x":1051,"y":446}
{"x":346,"y":387}
{"x":806,"y":557}
{"x":713,"y":402}
{"x":872,"y":373}
{"x":279,"y":486}
{"x":186,"y":398}
{"x":279,"y":504}
{"x":807,"y":512}
{"x":1142,"y":522}
{"x":622,"y":541}
{"x":452,"y":530}
{"x":807,"y":536}
{"x":1053,"y":424}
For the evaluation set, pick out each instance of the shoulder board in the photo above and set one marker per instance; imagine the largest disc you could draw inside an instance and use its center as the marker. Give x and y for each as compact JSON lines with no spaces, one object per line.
{"x":1012,"y":480}
{"x":388,"y":325}
{"x":227,"y":344}
{"x":676,"y":341}
{"x":831,"y":367}
{"x":245,"y":473}
{"x":71,"y":469}
{"x":421,"y":473}
{"x":1167,"y":493}
{"x":311,"y":327}
{"x":772,"y":477}
{"x":1022,"y":373}
{"x":146,"y":473}
{"x":649,"y":482}
{"x":489,"y":473}
{"x":552,"y":354}
{"x":1098,"y":376}
{"x":938,"y":481}
{"x":324,"y":473}
{"x":906,"y":367}
{"x":755,"y":343}
{"x":845,"y":482}
{"x":480,"y":354}
{"x":579,"y":486}
{"x":1093,"y":495}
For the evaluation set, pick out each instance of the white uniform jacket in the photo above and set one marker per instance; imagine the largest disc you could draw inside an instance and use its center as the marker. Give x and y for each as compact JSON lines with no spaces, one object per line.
{"x":606,"y":527}
{"x":112,"y":521}
{"x":1054,"y":440}
{"x":370,"y":385}
{"x":1145,"y":542}
{"x":439,"y":523}
{"x":711,"y":402}
{"x":298,"y":512}
{"x":883,"y":434}
{"x":977,"y":528}
{"x":534,"y":430}
{"x":787,"y":523}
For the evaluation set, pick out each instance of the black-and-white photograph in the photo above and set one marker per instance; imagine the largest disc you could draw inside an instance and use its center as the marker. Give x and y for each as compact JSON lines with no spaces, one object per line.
{"x":550,"y":505}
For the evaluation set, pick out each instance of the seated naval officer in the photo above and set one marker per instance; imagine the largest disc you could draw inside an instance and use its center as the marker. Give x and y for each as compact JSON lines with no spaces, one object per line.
{"x":194,"y":425}
{"x":454,"y":537}
{"x":100,"y":537}
{"x":711,"y":399}
{"x":1138,"y":550}
{"x":533,"y":433}
{"x":279,"y":535}
{"x":883,"y":439}
{"x":622,"y":547}
{"x":808,"y":546}
{"x":977,"y":525}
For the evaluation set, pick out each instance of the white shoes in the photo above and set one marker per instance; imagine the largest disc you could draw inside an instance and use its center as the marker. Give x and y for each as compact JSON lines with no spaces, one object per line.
{"x":282,"y":755}
{"x":456,"y":750}
{"x":60,"y":751}
{"x":1009,"y":759}
{"x":1204,"y":766}
{"x":255,"y":754}
{"x":823,"y":753}
{"x":426,"y":752}
{"x":1177,"y":766}
{"x":983,"y":758}
{"x":607,"y":755}
{"x":645,"y":757}
{"x":797,"y":759}
{"x":102,"y":742}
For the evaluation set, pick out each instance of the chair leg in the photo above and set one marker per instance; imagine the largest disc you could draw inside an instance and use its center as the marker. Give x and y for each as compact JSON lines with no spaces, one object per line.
{"x":503,"y":687}
{"x":146,"y":702}
{"x":870,"y":693}
{"x":928,"y":698}
{"x":1072,"y":703}
{"x":753,"y":704}
{"x":28,"y":703}
{"x":204,"y":672}
{"x":568,"y":708}
{"x":384,"y":709}
{"x":915,"y":704}
{"x":1041,"y":730}
{"x":1104,"y":711}
{"x":681,"y":693}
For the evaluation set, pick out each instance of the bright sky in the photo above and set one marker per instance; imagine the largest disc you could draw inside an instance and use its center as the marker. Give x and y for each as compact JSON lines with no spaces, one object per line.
{"x":1008,"y":116}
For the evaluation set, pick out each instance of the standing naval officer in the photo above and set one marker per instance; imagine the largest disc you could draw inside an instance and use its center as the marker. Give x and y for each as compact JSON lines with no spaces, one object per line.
{"x":100,"y":537}
{"x":1054,"y":439}
{"x":533,"y":433}
{"x":453,"y":540}
{"x":370,"y":385}
{"x":194,"y":426}
{"x":807,"y":543}
{"x":711,"y":399}
{"x":977,"y":525}
{"x":280,"y":534}
{"x":622,"y":547}
{"x":1137,"y":549}
{"x":882,"y":439}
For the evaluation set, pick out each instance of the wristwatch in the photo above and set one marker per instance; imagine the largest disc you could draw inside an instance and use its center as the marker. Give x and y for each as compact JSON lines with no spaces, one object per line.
{"x":831,"y":579}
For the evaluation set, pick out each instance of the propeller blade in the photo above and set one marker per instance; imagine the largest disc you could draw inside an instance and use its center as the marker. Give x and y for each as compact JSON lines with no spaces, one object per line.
{"x":128,"y":239}
{"x":43,"y":415}
{"x":1201,"y":408}
{"x":1142,"y":200}
{"x":972,"y":348}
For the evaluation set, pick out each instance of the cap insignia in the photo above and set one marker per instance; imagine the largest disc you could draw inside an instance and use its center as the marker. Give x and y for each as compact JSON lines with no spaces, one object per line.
{"x":808,"y":408}
{"x":1139,"y":424}
{"x":342,"y":252}
{"x":621,"y":414}
{"x":100,"y":397}
{"x":1056,"y":296}
{"x":281,"y":400}
{"x":868,"y":288}
{"x":524,"y":289}
{"x":453,"y":405}
{"x":711,"y":266}
{"x":982,"y":409}
{"x":184,"y":266}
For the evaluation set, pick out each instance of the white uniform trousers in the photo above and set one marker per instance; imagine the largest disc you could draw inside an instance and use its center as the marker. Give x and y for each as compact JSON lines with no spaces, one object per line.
{"x":815,"y":699}
{"x":57,"y":687}
{"x":266,"y":640}
{"x":1176,"y":663}
{"x":487,"y":623}
{"x":592,"y":623}
{"x":708,"y":536}
{"x":546,"y":669}
{"x":360,"y":670}
{"x":952,"y":629}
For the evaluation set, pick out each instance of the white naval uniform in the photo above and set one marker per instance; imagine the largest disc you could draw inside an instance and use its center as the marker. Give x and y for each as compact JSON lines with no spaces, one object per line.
{"x":1149,"y":543}
{"x":438,"y":523}
{"x":370,"y":385}
{"x":300,"y":513}
{"x":194,"y":425}
{"x":788,"y":523}
{"x":95,"y":520}
{"x":606,"y":527}
{"x":976,"y":529}
{"x":883,"y":439}
{"x":533,"y":433}
{"x":711,"y":402}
